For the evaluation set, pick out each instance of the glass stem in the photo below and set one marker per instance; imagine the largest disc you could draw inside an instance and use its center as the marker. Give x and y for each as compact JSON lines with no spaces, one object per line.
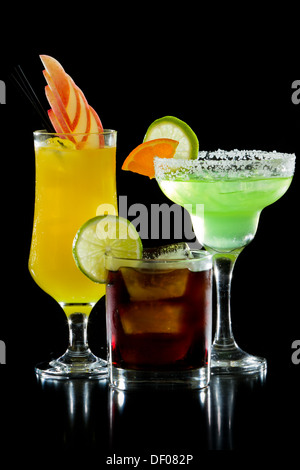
{"x":223,"y":268}
{"x":78,"y":358}
{"x":78,"y":344}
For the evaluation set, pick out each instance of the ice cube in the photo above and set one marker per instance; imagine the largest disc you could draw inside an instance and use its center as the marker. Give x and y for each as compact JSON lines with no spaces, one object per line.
{"x":155,"y":284}
{"x":153,"y":317}
{"x":174,"y":251}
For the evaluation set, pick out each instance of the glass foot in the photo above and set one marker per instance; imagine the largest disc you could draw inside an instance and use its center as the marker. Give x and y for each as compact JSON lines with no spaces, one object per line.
{"x":71,"y":366}
{"x":235,"y":361}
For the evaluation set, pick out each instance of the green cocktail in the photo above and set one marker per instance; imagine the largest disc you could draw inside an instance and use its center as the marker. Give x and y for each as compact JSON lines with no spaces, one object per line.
{"x":231,"y":208}
{"x":225,"y":192}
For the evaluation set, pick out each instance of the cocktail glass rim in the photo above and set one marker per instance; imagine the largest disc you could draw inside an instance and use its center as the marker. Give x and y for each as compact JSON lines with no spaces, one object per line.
{"x":44,"y":131}
{"x":113,"y":263}
{"x":227,"y":164}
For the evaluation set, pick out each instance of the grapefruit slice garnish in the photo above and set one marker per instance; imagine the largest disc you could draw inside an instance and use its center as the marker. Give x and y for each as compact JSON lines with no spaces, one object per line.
{"x":141,"y":159}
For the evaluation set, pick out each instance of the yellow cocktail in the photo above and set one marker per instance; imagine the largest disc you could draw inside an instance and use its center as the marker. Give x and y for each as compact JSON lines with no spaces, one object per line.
{"x":73,"y":184}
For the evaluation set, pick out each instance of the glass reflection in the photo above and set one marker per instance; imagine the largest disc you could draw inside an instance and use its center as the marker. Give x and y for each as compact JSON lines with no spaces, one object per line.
{"x":221,"y":417}
{"x":232,"y":413}
{"x":149,"y":422}
{"x":230,"y":409}
{"x":76,"y":410}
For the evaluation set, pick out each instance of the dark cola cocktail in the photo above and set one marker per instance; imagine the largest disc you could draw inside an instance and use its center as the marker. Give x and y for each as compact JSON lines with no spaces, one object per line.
{"x":159,"y":321}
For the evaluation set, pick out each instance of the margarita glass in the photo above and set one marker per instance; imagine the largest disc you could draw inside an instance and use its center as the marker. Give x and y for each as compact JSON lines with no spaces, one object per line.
{"x":225,"y":192}
{"x":73,"y":184}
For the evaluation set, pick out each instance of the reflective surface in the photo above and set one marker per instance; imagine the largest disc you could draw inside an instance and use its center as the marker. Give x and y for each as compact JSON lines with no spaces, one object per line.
{"x":88,"y":416}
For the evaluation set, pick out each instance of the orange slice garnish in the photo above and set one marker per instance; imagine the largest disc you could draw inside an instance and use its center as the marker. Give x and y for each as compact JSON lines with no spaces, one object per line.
{"x":141,"y":159}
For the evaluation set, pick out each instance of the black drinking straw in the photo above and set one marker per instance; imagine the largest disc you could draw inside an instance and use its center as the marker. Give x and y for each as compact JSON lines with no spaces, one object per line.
{"x":23,"y":84}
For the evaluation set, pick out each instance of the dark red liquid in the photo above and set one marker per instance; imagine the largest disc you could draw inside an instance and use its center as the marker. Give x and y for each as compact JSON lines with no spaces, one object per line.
{"x":159,"y":320}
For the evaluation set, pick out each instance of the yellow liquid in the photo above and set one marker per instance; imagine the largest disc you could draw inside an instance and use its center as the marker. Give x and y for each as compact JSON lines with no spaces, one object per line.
{"x":71,"y":184}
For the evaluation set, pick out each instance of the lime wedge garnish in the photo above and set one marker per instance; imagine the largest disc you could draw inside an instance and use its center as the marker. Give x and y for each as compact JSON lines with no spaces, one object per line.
{"x":102,"y":235}
{"x":170,"y":127}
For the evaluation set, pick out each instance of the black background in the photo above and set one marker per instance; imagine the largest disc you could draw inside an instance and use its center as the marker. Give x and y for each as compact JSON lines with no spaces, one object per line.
{"x":235,"y":93}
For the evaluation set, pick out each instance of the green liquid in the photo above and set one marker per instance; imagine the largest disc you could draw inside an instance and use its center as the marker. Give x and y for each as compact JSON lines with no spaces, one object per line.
{"x":231,"y":208}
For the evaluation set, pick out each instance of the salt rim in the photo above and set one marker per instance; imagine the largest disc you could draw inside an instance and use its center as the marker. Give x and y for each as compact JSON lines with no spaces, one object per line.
{"x":223,"y":164}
